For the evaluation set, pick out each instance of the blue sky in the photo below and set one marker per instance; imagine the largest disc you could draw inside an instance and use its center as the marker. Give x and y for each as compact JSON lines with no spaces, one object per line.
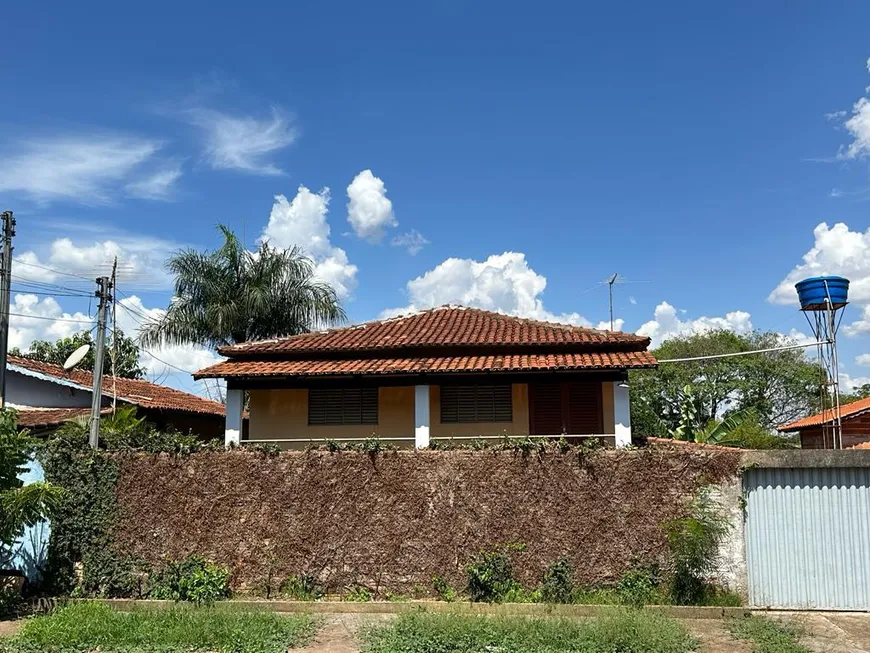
{"x":691,"y":147}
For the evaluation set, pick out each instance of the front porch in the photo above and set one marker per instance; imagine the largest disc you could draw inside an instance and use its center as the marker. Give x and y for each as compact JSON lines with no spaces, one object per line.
{"x":414,"y":412}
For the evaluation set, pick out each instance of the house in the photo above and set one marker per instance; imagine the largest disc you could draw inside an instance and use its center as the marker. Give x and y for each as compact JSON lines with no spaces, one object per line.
{"x":816,"y":431}
{"x":448,"y":372}
{"x":45,"y":395}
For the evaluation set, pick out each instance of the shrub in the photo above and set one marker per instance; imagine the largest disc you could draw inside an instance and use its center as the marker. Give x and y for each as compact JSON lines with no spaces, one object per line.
{"x":193,"y":579}
{"x":490,"y":575}
{"x":11,"y":602}
{"x":637,"y":586}
{"x":694,"y":544}
{"x":358,"y":594}
{"x":558,"y":585}
{"x":443,"y":589}
{"x":301,"y":588}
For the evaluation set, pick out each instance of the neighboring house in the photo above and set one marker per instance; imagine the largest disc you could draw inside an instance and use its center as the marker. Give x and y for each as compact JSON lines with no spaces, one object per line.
{"x":816,"y":431}
{"x":45,"y":395}
{"x":443,"y":373}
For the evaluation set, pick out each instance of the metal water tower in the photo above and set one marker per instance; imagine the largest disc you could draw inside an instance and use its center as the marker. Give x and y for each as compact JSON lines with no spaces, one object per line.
{"x":822,"y":301}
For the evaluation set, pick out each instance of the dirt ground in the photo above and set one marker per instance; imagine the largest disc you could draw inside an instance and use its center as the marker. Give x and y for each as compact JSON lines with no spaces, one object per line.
{"x":825,"y":632}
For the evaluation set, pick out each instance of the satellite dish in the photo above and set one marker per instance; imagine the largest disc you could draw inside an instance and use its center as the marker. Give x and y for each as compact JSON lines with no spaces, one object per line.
{"x":76,"y":357}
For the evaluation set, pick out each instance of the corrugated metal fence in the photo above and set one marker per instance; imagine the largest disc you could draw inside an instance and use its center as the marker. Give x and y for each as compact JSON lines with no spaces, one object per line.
{"x":808,"y":537}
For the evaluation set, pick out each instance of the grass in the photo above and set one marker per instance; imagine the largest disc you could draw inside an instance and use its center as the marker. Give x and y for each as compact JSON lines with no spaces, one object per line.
{"x":90,"y":626}
{"x":622,"y":631}
{"x":767,"y":635}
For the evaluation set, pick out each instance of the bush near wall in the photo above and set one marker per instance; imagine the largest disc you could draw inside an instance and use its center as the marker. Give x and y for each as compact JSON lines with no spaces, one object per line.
{"x":392,"y":521}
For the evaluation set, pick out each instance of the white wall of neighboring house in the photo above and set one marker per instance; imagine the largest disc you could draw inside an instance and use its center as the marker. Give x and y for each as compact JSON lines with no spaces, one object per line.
{"x":27,"y":390}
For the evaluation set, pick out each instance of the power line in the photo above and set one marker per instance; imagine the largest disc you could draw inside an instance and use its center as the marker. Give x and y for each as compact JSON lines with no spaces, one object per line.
{"x":52,"y":319}
{"x":43,"y":267}
{"x":743,"y":353}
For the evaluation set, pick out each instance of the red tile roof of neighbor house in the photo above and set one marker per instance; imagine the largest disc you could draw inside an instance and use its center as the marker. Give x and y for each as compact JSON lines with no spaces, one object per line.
{"x":38,"y":417}
{"x":132,"y":391}
{"x":846,"y":410}
{"x":448,"y":339}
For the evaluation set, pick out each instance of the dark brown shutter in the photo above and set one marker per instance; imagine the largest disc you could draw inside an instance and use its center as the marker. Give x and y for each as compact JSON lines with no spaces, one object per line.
{"x":546,"y":409}
{"x":584,"y":409}
{"x":332,"y":406}
{"x":476,"y":403}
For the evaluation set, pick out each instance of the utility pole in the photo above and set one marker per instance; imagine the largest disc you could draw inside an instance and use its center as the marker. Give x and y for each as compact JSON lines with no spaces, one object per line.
{"x":104,"y":288}
{"x":5,"y":296}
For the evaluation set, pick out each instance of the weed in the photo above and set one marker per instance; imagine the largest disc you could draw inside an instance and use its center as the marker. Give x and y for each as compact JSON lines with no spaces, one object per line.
{"x":443,"y":589}
{"x":193,"y":579}
{"x":767,"y":635}
{"x":638,"y":586}
{"x":558,"y":585}
{"x":490,"y":574}
{"x":301,"y":588}
{"x":358,"y":594}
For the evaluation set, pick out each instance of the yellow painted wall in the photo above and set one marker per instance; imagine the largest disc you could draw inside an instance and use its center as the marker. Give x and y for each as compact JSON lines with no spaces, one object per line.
{"x":519,"y":425}
{"x":283,"y":414}
{"x":607,"y":406}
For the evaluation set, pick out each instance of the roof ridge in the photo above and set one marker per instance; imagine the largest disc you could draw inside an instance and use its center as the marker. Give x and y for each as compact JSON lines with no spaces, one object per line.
{"x":823,"y":417}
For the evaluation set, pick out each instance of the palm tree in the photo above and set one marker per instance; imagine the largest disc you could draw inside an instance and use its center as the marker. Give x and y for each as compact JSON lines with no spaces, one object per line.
{"x":232,"y":295}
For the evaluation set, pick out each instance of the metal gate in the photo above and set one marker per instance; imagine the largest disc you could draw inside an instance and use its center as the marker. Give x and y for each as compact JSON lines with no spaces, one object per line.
{"x":808,"y":538}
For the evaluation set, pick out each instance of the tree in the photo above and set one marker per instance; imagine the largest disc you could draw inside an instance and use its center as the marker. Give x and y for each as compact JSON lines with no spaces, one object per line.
{"x":20,"y":505}
{"x":126,"y":363}
{"x":231,"y":295}
{"x":778,"y":386}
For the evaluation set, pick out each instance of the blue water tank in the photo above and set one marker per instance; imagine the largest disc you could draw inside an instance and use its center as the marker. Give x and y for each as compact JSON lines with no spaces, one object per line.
{"x":813,"y":292}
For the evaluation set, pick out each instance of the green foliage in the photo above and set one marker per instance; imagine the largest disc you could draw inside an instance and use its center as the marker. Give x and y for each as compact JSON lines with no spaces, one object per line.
{"x":301,"y":588}
{"x":181,"y":629}
{"x":558,"y":585}
{"x":358,"y":594}
{"x":778,"y":386}
{"x":11,"y":603}
{"x":767,"y":635}
{"x":490,"y":574}
{"x":231,"y":295}
{"x":444,"y":590}
{"x":694,"y":544}
{"x":20,"y":505}
{"x":193,"y":579}
{"x":620,"y":631}
{"x":124,"y":349}
{"x":638,"y":586}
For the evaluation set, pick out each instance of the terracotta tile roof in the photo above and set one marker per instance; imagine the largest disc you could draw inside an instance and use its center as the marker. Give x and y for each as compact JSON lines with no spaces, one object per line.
{"x":445,"y":326}
{"x":440,"y":364}
{"x":133,"y":391}
{"x":846,"y":410}
{"x":35,"y":417}
{"x":861,"y":445}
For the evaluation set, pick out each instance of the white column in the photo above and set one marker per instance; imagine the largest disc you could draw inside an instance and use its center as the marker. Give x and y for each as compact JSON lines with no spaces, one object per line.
{"x":235,"y":410}
{"x":421,"y":416}
{"x":621,"y":414}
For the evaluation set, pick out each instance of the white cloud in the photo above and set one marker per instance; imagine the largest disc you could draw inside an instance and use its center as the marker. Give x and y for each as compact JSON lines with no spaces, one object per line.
{"x":413,"y":241}
{"x":86,"y":168}
{"x":836,"y":250}
{"x":852,"y":383}
{"x":503,"y":282}
{"x":32,"y":318}
{"x":858,"y":125}
{"x":140,"y":261}
{"x":604,"y":325}
{"x":302,"y":222}
{"x":244,"y":143}
{"x":159,"y":185}
{"x":369,"y":211}
{"x":666,"y":324}
{"x":863,"y":359}
{"x":860,"y":326}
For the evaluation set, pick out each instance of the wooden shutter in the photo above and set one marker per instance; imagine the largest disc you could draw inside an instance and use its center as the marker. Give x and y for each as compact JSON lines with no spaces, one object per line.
{"x":476,"y":403}
{"x":546,"y":409}
{"x":332,"y":406}
{"x":584,"y":409}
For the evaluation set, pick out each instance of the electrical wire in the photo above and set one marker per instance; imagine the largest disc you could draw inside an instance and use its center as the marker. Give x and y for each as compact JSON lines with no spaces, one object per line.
{"x":43,"y":267}
{"x":52,"y":319}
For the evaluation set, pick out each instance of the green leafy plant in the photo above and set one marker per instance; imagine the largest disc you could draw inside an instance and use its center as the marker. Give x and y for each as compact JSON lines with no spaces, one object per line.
{"x":358,"y":594}
{"x":444,"y":590}
{"x":558,"y":584}
{"x":637,"y":586}
{"x":12,"y":603}
{"x":490,"y":574}
{"x":193,"y":579}
{"x":301,"y":588}
{"x":767,"y":635}
{"x":694,"y":544}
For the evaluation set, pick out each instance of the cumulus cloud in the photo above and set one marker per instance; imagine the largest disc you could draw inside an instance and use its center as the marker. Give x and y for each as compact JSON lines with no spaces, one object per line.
{"x":245,"y":143}
{"x":836,"y":250}
{"x":861,"y":326}
{"x":667,"y":324}
{"x":86,"y":168}
{"x":413,"y":241}
{"x":850,"y":383}
{"x":302,"y":222}
{"x":503,"y":282}
{"x":863,"y":359}
{"x":858,"y":126}
{"x":32,"y":318}
{"x":369,"y":211}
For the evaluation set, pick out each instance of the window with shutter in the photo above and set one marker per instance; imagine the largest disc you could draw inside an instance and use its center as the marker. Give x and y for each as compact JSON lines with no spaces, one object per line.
{"x":333,"y":406}
{"x":570,"y":408}
{"x":476,"y":403}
